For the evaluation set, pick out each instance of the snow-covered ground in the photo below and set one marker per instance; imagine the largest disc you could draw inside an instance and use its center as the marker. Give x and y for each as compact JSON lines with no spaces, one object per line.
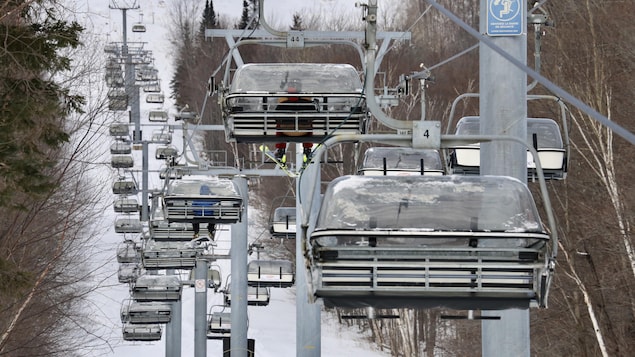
{"x":273,"y":326}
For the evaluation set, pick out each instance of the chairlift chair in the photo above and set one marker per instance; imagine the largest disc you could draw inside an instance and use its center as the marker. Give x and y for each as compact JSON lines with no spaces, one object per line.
{"x":128,"y":252}
{"x":117,"y":99}
{"x":138,"y":27}
{"x":160,"y":116}
{"x":173,"y":173}
{"x":204,"y":201}
{"x":141,"y":332}
{"x":124,"y":187}
{"x":156,"y":288}
{"x":162,"y":230}
{"x":164,"y":152}
{"x":169,"y":255}
{"x":294,"y":102}
{"x":121,"y":147}
{"x":161,"y":136}
{"x":271,"y":273}
{"x":256,"y":295}
{"x":125,"y":205}
{"x":214,"y":280}
{"x":283,"y":222}
{"x":219,"y":325}
{"x":542,"y":133}
{"x":128,"y":225}
{"x":152,"y":88}
{"x":129,"y":272}
{"x":147,"y":312}
{"x":118,"y":129}
{"x":459,"y":242}
{"x":155,"y":98}
{"x":122,"y":161}
{"x":390,"y":161}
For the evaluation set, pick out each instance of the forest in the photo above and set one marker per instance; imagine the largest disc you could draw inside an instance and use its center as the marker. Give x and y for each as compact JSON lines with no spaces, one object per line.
{"x":47,"y":192}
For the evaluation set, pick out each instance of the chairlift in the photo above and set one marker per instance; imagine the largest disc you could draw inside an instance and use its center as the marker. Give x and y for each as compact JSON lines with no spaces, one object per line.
{"x":270,"y":273}
{"x":219,"y":325}
{"x":121,"y":147}
{"x":115,"y":81}
{"x":128,"y":225}
{"x":173,"y":173}
{"x":147,"y":312}
{"x":214,"y":280}
{"x":129,"y":272}
{"x":117,"y":99}
{"x":203,"y":201}
{"x":111,"y":48}
{"x":155,"y":98}
{"x":157,"y":288}
{"x":128,"y":252}
{"x":118,"y":129}
{"x":256,"y":295}
{"x":267,"y":100}
{"x":390,"y":161}
{"x":162,"y":230}
{"x":125,"y":205}
{"x":138,"y":27}
{"x":169,"y":255}
{"x":122,"y":161}
{"x":152,"y":88}
{"x":161,"y":136}
{"x":459,"y":242}
{"x":549,"y":138}
{"x":141,"y":332}
{"x":283,"y":222}
{"x":164,"y":152}
{"x":158,"y":116}
{"x":124,"y":187}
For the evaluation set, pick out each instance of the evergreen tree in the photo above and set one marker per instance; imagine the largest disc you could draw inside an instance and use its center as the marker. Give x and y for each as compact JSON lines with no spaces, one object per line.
{"x":32,"y":105}
{"x":249,"y":10}
{"x":209,"y":18}
{"x":297,"y":22}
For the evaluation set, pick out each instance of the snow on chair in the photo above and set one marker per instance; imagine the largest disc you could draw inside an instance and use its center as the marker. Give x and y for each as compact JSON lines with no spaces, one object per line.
{"x":463,"y":242}
{"x":129,"y":272}
{"x":169,"y":255}
{"x":128,"y":224}
{"x":156,"y":288}
{"x":259,"y":105}
{"x":162,"y":230}
{"x":543,"y":134}
{"x":125,"y":204}
{"x":150,"y":312}
{"x":128,"y":252}
{"x":389,"y":161}
{"x":270,"y":273}
{"x":202,"y":201}
{"x":121,"y":147}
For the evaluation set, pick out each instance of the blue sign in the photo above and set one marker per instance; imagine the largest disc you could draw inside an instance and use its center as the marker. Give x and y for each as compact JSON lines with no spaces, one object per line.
{"x":504,"y":18}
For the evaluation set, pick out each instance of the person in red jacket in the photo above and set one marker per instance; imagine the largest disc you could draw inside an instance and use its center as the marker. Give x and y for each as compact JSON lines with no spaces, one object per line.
{"x":294,"y":104}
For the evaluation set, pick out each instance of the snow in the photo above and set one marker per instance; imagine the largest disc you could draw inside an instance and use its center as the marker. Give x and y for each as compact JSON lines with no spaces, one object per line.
{"x":273,"y":326}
